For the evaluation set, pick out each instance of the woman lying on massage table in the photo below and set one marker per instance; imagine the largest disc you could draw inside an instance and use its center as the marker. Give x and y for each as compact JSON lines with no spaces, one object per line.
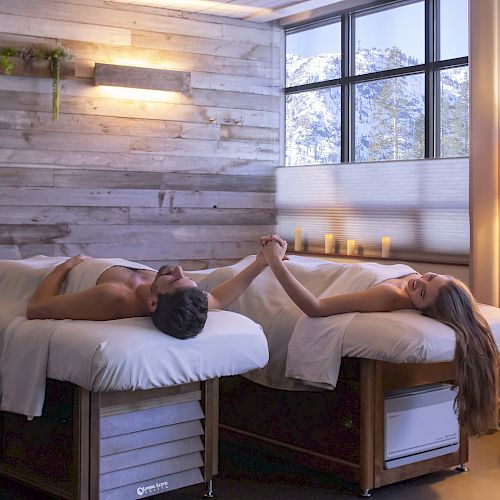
{"x":440,"y":297}
{"x":115,"y":290}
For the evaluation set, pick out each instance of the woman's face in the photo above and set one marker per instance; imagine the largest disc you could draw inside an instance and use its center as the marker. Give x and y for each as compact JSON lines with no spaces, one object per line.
{"x":424,"y":289}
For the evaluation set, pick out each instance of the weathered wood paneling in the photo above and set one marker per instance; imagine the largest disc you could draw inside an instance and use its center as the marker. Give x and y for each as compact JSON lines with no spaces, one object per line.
{"x":168,"y":59}
{"x":151,"y":251}
{"x":87,"y":124}
{"x":63,"y":29}
{"x":201,"y":216}
{"x":159,"y":180}
{"x":64,"y":233}
{"x":135,"y":108}
{"x":21,"y":216}
{"x":124,"y":161}
{"x":114,"y":16}
{"x":102,"y":197}
{"x":84,"y":87}
{"x":157,"y":177}
{"x":14,"y":176}
{"x":191,"y":44}
{"x":66,"y":141}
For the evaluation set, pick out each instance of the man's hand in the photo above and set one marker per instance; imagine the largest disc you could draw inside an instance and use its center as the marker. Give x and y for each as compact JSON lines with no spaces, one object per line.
{"x":273,"y":248}
{"x":259,"y":258}
{"x":71,"y":263}
{"x":46,"y":303}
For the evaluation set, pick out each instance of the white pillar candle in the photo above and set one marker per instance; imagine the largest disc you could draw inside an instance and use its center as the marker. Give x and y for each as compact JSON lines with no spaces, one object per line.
{"x":298,"y":239}
{"x":386,"y":247}
{"x":351,"y":247}
{"x":328,"y":243}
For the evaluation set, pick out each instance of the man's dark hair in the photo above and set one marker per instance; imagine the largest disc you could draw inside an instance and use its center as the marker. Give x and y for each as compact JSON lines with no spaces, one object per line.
{"x":182,"y":314}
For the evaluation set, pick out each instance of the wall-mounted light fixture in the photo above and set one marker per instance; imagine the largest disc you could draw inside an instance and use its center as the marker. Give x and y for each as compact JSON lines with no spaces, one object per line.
{"x":142,"y":78}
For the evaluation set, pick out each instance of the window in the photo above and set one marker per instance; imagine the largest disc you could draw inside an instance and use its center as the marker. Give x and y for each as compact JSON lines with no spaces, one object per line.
{"x":379,"y":84}
{"x":381,"y":93}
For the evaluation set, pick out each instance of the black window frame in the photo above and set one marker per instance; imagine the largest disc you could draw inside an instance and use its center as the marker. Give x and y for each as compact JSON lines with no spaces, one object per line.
{"x":348,"y":79}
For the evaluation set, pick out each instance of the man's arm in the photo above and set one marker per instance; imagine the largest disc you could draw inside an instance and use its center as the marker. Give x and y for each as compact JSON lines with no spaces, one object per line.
{"x":51,"y":284}
{"x":100,"y":302}
{"x":226,"y":293}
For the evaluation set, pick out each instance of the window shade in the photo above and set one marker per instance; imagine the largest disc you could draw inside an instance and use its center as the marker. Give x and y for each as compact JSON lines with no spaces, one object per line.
{"x":422,"y":205}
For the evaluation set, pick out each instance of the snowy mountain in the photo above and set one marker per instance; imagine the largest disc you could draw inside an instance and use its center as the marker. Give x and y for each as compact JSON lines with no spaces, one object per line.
{"x":388,"y":114}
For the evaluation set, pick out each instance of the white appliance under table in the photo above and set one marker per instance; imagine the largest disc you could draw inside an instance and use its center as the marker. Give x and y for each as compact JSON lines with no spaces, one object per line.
{"x":420,"y":423}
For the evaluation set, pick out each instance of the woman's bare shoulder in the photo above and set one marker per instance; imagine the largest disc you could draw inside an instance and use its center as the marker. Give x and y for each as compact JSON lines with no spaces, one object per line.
{"x":394,"y":294}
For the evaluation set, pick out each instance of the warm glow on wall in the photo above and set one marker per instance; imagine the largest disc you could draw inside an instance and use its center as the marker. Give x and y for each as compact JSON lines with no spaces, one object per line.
{"x":136,"y":94}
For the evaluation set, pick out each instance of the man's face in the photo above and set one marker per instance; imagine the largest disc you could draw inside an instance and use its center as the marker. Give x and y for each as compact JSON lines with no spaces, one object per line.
{"x":170,"y":279}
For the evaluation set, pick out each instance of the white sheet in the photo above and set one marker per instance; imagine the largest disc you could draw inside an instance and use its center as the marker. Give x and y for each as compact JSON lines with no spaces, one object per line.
{"x":267,"y":304}
{"x":399,"y":337}
{"x":113,"y":355}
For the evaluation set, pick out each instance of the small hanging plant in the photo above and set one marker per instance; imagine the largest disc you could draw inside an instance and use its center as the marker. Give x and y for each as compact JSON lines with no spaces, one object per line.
{"x":5,"y":61}
{"x":54,"y":58}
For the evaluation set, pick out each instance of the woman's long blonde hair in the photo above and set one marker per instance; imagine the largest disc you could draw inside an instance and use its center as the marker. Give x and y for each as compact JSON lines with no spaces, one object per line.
{"x":476,"y":357}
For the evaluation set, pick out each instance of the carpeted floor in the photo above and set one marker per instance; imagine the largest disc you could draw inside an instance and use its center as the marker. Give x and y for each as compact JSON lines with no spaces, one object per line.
{"x":250,"y":477}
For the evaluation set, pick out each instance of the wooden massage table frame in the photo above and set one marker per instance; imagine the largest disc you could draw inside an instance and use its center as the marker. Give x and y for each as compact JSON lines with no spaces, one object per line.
{"x":353,"y":413}
{"x":79,"y":479}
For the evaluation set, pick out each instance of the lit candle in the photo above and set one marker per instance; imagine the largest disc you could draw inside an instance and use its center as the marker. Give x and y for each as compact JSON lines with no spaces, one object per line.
{"x":328,"y":243}
{"x":298,"y":239}
{"x":351,"y":246}
{"x":386,"y":247}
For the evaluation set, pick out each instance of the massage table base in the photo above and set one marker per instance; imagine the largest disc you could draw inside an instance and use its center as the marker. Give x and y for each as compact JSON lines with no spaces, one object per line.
{"x":340,"y":432}
{"x":116,"y":445}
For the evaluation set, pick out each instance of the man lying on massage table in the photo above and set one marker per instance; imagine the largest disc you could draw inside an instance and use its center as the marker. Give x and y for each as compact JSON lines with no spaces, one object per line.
{"x":174,"y":302}
{"x":438,"y":296}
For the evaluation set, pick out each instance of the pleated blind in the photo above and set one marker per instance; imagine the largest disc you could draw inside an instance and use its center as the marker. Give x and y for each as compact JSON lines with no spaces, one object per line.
{"x":422,"y":205}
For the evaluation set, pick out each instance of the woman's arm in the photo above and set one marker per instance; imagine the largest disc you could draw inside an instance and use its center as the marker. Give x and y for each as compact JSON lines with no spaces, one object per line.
{"x":380,"y":298}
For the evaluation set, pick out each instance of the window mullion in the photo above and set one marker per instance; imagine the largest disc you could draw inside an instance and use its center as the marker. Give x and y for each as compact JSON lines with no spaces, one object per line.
{"x":431,"y":136}
{"x":345,"y":90}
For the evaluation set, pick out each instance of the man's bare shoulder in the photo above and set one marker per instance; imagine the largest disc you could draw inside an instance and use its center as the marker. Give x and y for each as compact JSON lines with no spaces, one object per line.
{"x":120,"y":300}
{"x":112,"y":289}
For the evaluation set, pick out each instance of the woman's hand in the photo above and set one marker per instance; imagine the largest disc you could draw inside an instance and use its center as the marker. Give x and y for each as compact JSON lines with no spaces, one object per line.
{"x":273,"y":248}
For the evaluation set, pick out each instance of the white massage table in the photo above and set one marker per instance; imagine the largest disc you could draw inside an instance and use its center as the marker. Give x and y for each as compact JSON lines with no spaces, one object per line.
{"x":128,"y":412}
{"x":340,"y":431}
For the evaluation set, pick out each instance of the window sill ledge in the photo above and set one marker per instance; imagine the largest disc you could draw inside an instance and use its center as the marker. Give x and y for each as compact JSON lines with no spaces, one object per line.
{"x":377,"y":258}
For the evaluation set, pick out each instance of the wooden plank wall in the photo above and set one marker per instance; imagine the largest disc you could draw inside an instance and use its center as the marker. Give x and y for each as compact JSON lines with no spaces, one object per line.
{"x":156,"y":177}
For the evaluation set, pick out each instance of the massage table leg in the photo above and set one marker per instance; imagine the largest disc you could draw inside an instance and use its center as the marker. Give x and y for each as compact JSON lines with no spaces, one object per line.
{"x":209,"y":492}
{"x":367,"y":424}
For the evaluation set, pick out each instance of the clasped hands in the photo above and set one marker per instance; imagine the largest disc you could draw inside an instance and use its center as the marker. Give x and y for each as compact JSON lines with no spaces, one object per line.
{"x":272,"y":249}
